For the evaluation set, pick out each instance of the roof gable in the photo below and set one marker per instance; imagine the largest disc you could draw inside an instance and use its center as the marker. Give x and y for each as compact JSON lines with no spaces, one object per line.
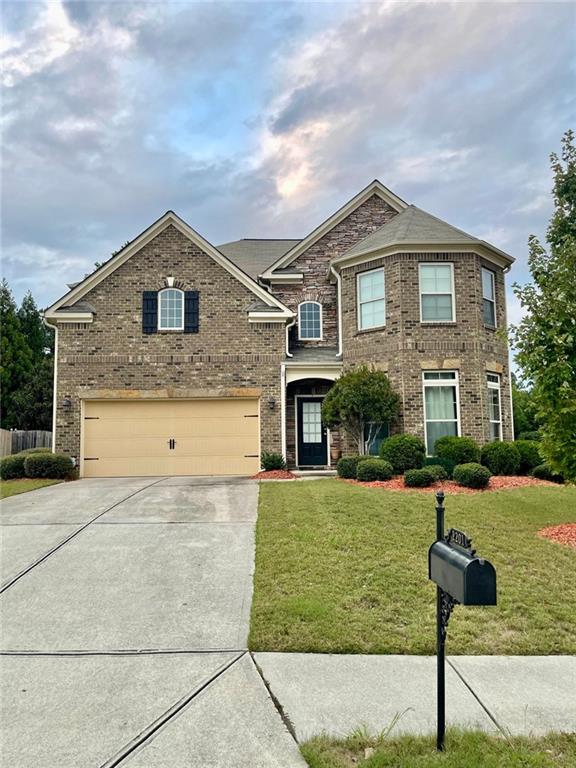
{"x":374,"y":188}
{"x":169,"y":219}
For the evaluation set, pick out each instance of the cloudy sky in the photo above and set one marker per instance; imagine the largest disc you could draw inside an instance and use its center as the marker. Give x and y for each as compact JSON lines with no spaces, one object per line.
{"x":260,"y":119}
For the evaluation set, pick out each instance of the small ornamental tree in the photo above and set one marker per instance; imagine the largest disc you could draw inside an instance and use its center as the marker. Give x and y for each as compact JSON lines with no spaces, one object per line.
{"x":545,"y":339}
{"x":360,"y":397}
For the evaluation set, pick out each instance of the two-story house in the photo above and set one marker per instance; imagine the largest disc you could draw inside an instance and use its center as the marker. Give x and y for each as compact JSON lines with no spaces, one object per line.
{"x":177,"y":357}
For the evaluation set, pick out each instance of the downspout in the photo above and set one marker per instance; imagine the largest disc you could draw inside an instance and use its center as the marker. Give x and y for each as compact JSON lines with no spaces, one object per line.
{"x":288,"y":326}
{"x":283,"y":409}
{"x":506,"y":270}
{"x":339,"y":293}
{"x":55,"y":380}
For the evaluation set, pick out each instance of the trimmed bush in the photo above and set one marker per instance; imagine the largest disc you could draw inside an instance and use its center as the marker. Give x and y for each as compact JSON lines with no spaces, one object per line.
{"x":536,"y":436}
{"x":529,"y":455}
{"x":271,"y":461}
{"x":12,"y":467}
{"x":347,"y":466}
{"x":419,"y":478}
{"x":53,"y":465}
{"x":460,"y":450}
{"x":374,"y":469}
{"x":472,"y":475}
{"x":403,"y":452}
{"x":501,"y":458}
{"x":438,"y":471}
{"x":28,"y":451}
{"x":543,"y":472}
{"x":436,"y":461}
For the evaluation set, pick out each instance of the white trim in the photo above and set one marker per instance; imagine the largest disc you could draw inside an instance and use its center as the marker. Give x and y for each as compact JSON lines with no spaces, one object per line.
{"x":55,"y":392}
{"x":301,"y":371}
{"x":73,"y":317}
{"x":309,"y":338}
{"x":293,"y":279}
{"x":168,"y":219}
{"x":437,"y":293}
{"x":359,"y":326}
{"x":498,"y":386}
{"x":484,"y":298}
{"x":268,"y":317}
{"x":296,"y":398}
{"x":480,"y":249}
{"x":283,"y":410}
{"x":159,"y":312}
{"x":374,"y":188}
{"x":82,"y":430}
{"x":338,"y":277}
{"x":439,"y":383}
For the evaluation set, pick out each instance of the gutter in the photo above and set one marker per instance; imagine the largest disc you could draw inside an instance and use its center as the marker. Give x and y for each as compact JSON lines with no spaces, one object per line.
{"x":339,"y":290}
{"x":55,"y":379}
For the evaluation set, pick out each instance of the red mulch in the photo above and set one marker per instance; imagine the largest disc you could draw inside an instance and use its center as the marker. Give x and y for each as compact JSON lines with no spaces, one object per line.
{"x":498,"y":482}
{"x":274,"y":474}
{"x":561,"y":534}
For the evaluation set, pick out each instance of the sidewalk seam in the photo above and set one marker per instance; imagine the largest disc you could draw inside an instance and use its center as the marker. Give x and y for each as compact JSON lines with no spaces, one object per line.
{"x":478,"y":699}
{"x":280,"y":709}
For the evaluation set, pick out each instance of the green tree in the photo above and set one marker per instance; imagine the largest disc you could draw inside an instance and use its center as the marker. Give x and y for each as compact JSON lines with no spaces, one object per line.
{"x":17,"y":363}
{"x":32,"y":403}
{"x":361,"y":396}
{"x":524,"y":411}
{"x":545,"y":339}
{"x":40,"y":337}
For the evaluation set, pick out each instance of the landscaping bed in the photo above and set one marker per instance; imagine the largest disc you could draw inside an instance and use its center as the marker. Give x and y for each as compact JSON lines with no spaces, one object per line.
{"x":497,"y":482}
{"x":562,"y":534}
{"x":342,"y":568}
{"x":274,"y":474}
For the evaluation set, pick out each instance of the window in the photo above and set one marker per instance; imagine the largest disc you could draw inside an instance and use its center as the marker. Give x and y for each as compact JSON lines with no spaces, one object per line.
{"x":310,"y":320}
{"x":171,"y":310}
{"x":437,"y":293}
{"x":494,"y":408}
{"x":371,"y":299}
{"x":374,"y":433}
{"x":441,"y":406}
{"x":488,"y":298}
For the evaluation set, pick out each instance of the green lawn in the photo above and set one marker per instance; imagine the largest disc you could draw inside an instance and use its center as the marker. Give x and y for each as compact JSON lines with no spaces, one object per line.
{"x":343,"y":568}
{"x":12,"y":487}
{"x":463,"y":750}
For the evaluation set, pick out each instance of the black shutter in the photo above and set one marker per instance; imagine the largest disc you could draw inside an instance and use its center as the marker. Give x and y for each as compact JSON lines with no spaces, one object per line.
{"x":191,"y":311}
{"x":149,"y":311}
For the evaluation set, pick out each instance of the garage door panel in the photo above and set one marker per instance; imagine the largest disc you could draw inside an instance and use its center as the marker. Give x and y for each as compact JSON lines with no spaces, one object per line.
{"x":123,"y":438}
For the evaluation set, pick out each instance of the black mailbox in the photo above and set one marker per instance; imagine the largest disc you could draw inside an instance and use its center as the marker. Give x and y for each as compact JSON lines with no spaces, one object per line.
{"x":468,"y":579}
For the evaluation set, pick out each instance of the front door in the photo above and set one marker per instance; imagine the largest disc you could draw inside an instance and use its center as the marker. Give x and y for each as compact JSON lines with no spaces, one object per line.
{"x":312,"y":443}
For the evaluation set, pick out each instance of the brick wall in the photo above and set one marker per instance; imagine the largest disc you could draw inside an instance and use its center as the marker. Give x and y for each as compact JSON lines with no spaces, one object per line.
{"x":405,"y":346}
{"x":227,"y":355}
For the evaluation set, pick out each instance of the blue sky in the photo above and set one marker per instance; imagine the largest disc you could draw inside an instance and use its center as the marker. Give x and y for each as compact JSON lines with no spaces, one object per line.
{"x":260,"y":119}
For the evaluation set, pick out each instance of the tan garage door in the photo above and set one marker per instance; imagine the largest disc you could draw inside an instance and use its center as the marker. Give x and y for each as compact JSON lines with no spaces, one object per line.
{"x":171,"y":437}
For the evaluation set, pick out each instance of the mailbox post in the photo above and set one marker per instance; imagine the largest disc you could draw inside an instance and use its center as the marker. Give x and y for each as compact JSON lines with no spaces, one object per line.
{"x":460,"y":577}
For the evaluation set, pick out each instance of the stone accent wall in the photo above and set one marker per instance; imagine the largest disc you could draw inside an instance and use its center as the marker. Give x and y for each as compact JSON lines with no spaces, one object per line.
{"x":229,"y":354}
{"x":406,"y":347}
{"x":314,"y":264}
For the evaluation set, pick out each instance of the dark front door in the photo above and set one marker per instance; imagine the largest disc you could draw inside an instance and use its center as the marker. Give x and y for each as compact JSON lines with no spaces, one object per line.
{"x":312,"y":444}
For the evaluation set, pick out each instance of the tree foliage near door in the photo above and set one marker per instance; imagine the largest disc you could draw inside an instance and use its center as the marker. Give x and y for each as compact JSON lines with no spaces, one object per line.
{"x":545,"y":338}
{"x":361,"y":396}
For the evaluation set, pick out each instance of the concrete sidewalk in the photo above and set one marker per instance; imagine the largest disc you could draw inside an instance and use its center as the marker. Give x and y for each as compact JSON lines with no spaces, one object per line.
{"x":335,"y":694}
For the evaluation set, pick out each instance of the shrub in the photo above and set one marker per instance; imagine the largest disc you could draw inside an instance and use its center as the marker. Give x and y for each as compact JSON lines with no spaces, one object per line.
{"x":529,"y":455}
{"x":271,"y":461}
{"x":536,"y":436}
{"x":543,"y":472}
{"x":438,"y":471}
{"x":419,"y":478}
{"x":347,"y":466}
{"x":472,"y":475}
{"x":374,"y":469}
{"x":28,"y":451}
{"x":436,"y":461}
{"x":460,"y":450}
{"x":12,"y":467}
{"x":501,"y":458}
{"x":54,"y":465}
{"x":403,"y":452}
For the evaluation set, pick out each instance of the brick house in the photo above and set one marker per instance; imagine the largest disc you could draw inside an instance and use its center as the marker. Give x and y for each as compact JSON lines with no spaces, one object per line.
{"x":177,"y":357}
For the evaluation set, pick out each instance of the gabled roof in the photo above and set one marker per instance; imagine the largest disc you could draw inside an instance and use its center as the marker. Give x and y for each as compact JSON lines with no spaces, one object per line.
{"x":168,"y":219}
{"x":374,"y":188}
{"x":414,"y":227}
{"x":255,"y":255}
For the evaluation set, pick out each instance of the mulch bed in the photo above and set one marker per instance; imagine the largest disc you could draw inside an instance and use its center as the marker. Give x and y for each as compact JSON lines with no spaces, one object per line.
{"x":274,"y":474}
{"x":561,"y":534}
{"x":498,"y":482}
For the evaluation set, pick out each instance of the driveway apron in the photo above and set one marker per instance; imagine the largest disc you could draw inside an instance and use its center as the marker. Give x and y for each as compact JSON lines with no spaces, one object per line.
{"x":124,"y":621}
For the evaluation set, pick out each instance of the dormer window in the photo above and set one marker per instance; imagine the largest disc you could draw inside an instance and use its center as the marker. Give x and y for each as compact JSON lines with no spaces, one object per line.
{"x":310,"y":321}
{"x":171,"y":310}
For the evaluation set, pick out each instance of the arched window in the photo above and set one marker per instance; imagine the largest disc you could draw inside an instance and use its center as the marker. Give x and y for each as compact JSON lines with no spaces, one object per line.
{"x":310,"y":321}
{"x":170,"y":309}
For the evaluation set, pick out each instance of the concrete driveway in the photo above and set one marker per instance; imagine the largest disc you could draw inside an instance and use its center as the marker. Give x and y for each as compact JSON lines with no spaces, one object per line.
{"x":124,"y":613}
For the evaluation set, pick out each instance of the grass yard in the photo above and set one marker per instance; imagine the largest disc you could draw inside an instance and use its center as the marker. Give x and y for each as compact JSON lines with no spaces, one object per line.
{"x":463,"y":750}
{"x":12,"y":487}
{"x":343,"y":569}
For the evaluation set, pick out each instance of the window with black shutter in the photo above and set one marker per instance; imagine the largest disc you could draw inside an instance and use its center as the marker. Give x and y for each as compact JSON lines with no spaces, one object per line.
{"x":191,"y":312}
{"x":149,"y":311}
